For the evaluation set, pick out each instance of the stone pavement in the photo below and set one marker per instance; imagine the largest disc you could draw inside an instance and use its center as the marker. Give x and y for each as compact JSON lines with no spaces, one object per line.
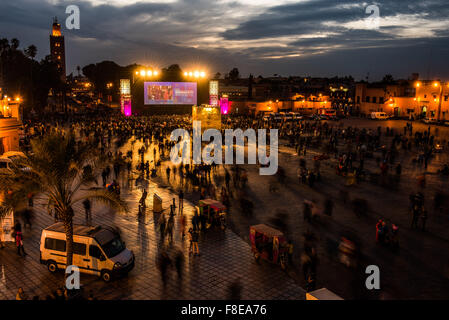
{"x":224,"y":258}
{"x":420,"y":270}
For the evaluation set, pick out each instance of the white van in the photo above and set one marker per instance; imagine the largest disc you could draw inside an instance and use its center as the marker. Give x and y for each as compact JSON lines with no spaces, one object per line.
{"x":96,"y":250}
{"x":379,"y":116}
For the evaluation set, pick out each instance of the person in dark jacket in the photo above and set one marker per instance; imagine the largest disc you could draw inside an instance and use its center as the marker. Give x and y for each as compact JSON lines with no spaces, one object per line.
{"x":19,"y":240}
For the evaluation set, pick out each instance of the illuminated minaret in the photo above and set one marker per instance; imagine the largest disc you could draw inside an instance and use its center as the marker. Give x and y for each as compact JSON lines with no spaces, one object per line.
{"x":57,"y":48}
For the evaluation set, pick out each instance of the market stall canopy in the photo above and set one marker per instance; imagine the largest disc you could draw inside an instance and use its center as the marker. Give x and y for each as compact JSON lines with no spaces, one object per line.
{"x":214,"y":204}
{"x":266,"y":230}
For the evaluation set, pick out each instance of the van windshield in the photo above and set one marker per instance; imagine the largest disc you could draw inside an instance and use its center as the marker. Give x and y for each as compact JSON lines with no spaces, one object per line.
{"x":113,"y":247}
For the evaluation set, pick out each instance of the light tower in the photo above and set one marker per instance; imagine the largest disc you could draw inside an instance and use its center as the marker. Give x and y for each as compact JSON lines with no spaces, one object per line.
{"x":57,"y":48}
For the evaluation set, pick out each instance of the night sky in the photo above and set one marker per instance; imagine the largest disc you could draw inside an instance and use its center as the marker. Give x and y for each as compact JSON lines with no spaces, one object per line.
{"x":264,"y":37}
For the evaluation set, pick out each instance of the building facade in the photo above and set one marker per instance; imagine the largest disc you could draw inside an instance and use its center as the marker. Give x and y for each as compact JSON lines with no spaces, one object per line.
{"x":417,"y":99}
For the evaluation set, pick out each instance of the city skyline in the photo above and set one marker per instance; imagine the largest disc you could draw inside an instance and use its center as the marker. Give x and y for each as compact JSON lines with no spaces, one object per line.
{"x":313,"y":38}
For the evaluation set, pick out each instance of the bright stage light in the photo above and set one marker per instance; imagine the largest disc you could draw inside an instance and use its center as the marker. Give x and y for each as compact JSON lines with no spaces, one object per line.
{"x":203,"y":74}
{"x":190,"y":73}
{"x":149,"y":73}
{"x":142,"y":73}
{"x":197,"y":74}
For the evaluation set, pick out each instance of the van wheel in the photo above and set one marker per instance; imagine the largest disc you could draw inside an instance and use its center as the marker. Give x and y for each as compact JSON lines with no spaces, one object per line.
{"x":106,"y":276}
{"x":52,"y":266}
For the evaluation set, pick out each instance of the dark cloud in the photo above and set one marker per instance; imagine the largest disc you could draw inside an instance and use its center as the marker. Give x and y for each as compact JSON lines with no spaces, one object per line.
{"x":315,"y":37}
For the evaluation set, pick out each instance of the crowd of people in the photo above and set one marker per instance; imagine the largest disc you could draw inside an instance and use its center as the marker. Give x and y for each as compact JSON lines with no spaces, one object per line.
{"x":349,"y":147}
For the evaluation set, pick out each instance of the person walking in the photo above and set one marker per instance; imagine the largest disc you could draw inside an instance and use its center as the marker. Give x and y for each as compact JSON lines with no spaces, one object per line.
{"x":30,"y":199}
{"x":87,"y":210}
{"x":27,"y":217}
{"x":195,"y":236}
{"x":170,"y":226}
{"x":104,"y":176}
{"x":162,"y":224}
{"x":173,"y":210}
{"x":19,"y":240}
{"x":164,"y":262}
{"x":182,"y":224}
{"x":195,"y":221}
{"x":179,"y":264}
{"x":181,"y":200}
{"x":378,"y":228}
{"x":190,"y":241}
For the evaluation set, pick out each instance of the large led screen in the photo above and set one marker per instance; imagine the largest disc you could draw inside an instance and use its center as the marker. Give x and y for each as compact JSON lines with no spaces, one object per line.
{"x":170,"y":93}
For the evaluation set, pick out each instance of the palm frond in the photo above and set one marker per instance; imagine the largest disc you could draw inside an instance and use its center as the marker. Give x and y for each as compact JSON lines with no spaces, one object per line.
{"x":104,"y":196}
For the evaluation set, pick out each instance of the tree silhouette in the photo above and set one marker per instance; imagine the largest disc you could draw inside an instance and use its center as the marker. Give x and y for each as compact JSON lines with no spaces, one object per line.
{"x":234,"y":74}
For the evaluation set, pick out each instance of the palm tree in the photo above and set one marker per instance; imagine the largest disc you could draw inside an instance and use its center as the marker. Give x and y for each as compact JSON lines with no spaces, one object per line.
{"x":58,"y":169}
{"x":31,"y":52}
{"x":15,"y":44}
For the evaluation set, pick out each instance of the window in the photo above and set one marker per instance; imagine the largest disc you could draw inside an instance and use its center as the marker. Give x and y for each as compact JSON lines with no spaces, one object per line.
{"x":114,"y":247}
{"x":358,"y":99}
{"x":55,"y":244}
{"x":367,"y":99}
{"x":79,"y":248}
{"x":381,"y":99}
{"x":374,"y":100}
{"x":94,"y":252}
{"x":3,"y":165}
{"x":446,"y":98}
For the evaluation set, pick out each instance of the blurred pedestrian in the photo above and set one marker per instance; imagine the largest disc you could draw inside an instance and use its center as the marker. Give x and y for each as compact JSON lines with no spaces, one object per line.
{"x":87,"y":210}
{"x":162,"y":224}
{"x":195,"y":238}
{"x":170,"y":226}
{"x":179,"y":263}
{"x":164,"y":263}
{"x":181,"y":200}
{"x":182,"y":225}
{"x":27,"y":217}
{"x":19,"y":239}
